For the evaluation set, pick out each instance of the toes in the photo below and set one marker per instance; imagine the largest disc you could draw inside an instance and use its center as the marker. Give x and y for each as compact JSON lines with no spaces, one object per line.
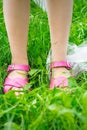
{"x":17,"y":89}
{"x":62,"y":85}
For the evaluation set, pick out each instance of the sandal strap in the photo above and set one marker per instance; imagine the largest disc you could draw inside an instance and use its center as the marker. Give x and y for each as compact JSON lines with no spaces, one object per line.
{"x":18,"y":67}
{"x":55,"y":82}
{"x":17,"y":83}
{"x":60,"y":64}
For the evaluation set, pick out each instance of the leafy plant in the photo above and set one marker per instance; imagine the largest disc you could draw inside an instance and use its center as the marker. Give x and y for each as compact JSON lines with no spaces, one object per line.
{"x":41,"y":108}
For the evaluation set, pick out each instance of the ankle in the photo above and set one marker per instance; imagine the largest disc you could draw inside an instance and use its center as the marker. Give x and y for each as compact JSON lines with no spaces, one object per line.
{"x":59,"y":59}
{"x":20,"y":61}
{"x":56,"y":72}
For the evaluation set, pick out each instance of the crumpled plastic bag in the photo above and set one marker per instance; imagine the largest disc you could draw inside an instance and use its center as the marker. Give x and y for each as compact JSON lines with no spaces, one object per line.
{"x":42,"y":4}
{"x":76,"y":55}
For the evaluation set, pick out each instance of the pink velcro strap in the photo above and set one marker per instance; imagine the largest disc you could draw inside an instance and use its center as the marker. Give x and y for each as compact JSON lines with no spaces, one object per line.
{"x":17,"y":82}
{"x":60,"y":64}
{"x":18,"y":67}
{"x":56,"y":82}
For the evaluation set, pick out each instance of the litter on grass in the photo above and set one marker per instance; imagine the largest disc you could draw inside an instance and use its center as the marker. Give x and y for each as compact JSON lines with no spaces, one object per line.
{"x":76,"y":55}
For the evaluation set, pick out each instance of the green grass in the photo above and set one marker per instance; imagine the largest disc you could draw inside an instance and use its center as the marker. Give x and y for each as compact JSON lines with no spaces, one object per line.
{"x":44,"y":109}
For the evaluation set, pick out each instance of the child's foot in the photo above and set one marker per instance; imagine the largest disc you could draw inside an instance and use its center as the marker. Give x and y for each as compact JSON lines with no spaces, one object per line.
{"x":17,"y":74}
{"x":60,"y":73}
{"x":17,"y":78}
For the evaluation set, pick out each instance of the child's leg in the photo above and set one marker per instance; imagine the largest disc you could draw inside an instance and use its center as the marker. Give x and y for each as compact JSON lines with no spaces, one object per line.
{"x":16,"y":14}
{"x":59,"y":14}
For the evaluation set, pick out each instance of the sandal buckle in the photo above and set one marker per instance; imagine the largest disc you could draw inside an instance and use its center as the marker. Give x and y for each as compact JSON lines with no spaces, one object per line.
{"x":10,"y":68}
{"x":69,"y":65}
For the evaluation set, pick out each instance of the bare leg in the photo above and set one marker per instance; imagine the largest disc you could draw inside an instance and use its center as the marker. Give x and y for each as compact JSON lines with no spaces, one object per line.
{"x":59,"y":14}
{"x":16,"y":14}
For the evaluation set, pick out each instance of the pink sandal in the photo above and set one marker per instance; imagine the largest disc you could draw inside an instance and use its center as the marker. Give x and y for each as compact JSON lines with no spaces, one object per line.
{"x":55,"y":82}
{"x":16,"y":82}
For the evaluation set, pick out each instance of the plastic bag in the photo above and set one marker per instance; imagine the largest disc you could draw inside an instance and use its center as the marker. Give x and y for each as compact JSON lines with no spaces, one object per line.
{"x":42,"y":4}
{"x":76,"y":55}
